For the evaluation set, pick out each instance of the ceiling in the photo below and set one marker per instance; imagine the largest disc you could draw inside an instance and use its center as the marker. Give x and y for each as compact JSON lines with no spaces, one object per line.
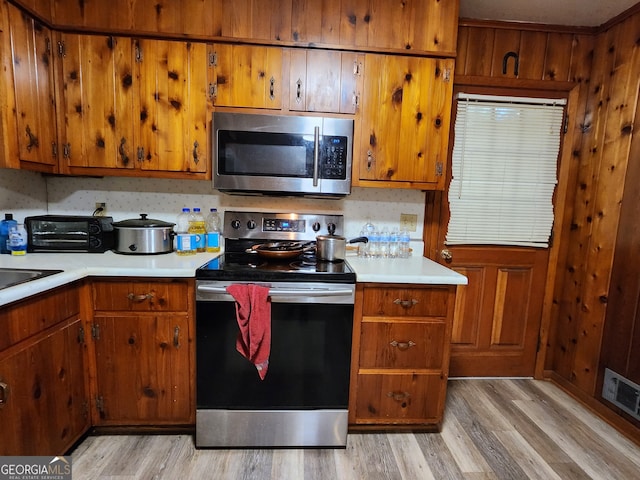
{"x":585,"y":13}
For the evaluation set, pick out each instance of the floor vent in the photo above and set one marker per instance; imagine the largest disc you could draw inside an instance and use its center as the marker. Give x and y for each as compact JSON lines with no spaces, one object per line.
{"x":621,"y":392}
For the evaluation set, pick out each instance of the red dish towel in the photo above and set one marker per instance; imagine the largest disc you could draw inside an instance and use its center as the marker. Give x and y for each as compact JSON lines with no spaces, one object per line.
{"x":253,"y":312}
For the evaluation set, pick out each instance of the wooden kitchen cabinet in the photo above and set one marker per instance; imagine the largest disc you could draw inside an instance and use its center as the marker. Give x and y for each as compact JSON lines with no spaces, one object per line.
{"x":132,"y":106}
{"x":400,"y":361}
{"x":29,"y":128}
{"x":404,"y":122}
{"x":245,"y":76}
{"x":43,"y":383}
{"x":325,"y":81}
{"x":142,"y":339}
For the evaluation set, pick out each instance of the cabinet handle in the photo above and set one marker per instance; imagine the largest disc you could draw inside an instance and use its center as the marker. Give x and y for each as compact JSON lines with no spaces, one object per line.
{"x":4,"y":394}
{"x":399,"y":396}
{"x":140,"y":154}
{"x":195,"y":152}
{"x":403,"y":345}
{"x":406,"y":303}
{"x":369,"y":160}
{"x":176,"y":337}
{"x":33,"y":140}
{"x":123,"y":153}
{"x":272,"y":88}
{"x":140,"y":298}
{"x":299,"y":91}
{"x":66,"y":151}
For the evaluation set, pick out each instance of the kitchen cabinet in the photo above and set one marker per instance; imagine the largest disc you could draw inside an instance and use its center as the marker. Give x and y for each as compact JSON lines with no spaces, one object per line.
{"x":404,"y":122}
{"x":30,"y":134}
{"x":246,"y":76}
{"x":43,"y":389}
{"x":131,"y":106}
{"x":325,"y":81}
{"x":142,"y":339}
{"x":400,"y":361}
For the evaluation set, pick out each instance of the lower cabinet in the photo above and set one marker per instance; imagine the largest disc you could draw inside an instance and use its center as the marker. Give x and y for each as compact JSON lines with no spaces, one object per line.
{"x":43,"y":390}
{"x":142,"y":341}
{"x":400,"y":361}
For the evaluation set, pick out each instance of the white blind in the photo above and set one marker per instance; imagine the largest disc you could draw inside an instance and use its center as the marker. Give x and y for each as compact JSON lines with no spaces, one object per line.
{"x":504,"y":166}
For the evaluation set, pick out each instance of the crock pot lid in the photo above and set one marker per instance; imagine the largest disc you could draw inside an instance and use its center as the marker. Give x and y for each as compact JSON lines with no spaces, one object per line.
{"x":143,"y":222}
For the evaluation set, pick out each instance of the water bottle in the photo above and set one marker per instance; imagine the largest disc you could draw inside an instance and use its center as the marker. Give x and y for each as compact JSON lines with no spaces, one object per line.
{"x":383,"y":248}
{"x":184,"y":240}
{"x":394,"y":244}
{"x":212,"y":224}
{"x":404,"y":244}
{"x":364,"y":249}
{"x":18,"y":239}
{"x":5,"y":226}
{"x":197,"y":228}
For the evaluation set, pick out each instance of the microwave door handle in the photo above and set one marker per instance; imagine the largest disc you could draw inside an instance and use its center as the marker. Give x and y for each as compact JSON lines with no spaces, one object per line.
{"x":316,"y":154}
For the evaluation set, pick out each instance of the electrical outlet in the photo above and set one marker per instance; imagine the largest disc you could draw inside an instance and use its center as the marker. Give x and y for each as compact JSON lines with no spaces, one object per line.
{"x":101,"y":209}
{"x":408,"y":222}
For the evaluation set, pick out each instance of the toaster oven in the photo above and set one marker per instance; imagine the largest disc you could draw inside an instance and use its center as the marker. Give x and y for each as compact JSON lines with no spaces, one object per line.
{"x":69,"y":233}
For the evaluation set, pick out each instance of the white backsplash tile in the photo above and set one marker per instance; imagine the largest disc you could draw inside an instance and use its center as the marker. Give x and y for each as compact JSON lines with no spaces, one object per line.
{"x":26,"y":193}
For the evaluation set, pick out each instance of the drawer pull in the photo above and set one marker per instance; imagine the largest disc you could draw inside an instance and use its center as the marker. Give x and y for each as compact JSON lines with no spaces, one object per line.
{"x":399,"y":396}
{"x":140,"y":298}
{"x":4,"y":394}
{"x":406,"y":303}
{"x":403,"y":345}
{"x":176,"y":337}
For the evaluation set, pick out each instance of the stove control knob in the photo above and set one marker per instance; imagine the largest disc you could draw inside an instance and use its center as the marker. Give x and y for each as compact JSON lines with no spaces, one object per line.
{"x":251,"y":224}
{"x":235,"y":224}
{"x":315,"y":226}
{"x":331,"y":227}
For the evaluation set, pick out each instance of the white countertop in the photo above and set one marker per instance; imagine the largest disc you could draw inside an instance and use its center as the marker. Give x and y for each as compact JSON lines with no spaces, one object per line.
{"x":75,"y":266}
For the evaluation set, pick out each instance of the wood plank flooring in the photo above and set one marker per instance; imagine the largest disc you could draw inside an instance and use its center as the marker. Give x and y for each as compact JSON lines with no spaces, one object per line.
{"x":493,"y":429}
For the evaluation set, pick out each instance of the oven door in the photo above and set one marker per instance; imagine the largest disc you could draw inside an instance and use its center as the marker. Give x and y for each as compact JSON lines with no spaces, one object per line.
{"x":304,"y":397}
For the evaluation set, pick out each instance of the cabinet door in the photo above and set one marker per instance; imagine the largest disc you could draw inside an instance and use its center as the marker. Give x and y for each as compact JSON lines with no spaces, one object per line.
{"x":33,"y":87}
{"x":325,"y":81}
{"x":246,"y":76}
{"x":97,"y":102}
{"x":43,"y":399}
{"x":405,"y":121}
{"x":171,"y":107}
{"x":143,"y":365}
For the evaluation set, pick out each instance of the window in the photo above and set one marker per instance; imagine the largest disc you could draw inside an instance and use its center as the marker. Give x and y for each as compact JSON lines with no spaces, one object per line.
{"x":504,"y":166}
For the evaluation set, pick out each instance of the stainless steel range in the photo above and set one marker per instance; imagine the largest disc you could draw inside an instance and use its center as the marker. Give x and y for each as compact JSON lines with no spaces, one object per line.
{"x":302,"y":399}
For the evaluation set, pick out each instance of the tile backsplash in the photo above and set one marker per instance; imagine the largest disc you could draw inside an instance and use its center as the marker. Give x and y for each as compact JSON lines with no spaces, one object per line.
{"x":26,"y":193}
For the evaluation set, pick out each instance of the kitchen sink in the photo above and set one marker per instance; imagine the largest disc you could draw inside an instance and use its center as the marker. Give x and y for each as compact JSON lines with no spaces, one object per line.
{"x":14,"y":276}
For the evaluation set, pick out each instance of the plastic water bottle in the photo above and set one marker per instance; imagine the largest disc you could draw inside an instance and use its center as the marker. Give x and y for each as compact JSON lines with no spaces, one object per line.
{"x":184,"y":240}
{"x":384,"y":243}
{"x":404,"y":244}
{"x":5,"y":226}
{"x":394,"y":244}
{"x":212,"y":224}
{"x":18,"y":239}
{"x":364,"y":249}
{"x":197,"y":228}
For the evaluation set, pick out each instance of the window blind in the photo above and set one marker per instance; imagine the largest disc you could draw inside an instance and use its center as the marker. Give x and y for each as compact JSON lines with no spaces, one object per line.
{"x":504,"y":165}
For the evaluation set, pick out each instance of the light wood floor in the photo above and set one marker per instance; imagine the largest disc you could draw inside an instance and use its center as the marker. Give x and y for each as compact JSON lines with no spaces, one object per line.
{"x":493,"y":429}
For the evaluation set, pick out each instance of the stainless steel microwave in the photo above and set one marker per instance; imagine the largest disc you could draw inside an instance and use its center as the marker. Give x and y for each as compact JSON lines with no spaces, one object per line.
{"x":277,"y":154}
{"x":69,"y":233}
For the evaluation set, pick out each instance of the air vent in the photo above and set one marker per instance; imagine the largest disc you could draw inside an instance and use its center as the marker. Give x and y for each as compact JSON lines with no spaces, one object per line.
{"x":621,"y":392}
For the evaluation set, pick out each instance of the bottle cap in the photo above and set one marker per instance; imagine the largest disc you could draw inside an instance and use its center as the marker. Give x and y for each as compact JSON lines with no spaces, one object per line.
{"x":8,"y":216}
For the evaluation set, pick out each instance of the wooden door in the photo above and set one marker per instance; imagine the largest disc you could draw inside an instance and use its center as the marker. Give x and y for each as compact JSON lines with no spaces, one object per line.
{"x":142,"y":369}
{"x":325,"y":81}
{"x":246,"y":76}
{"x":44,"y":407}
{"x":171,"y":108}
{"x":405,"y":120}
{"x":97,"y":102}
{"x":33,"y":87}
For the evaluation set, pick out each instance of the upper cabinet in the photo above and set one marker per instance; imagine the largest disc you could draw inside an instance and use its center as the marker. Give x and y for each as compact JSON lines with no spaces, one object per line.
{"x":245,"y":76}
{"x":132,"y":105}
{"x":30,"y":135}
{"x":404,"y":124}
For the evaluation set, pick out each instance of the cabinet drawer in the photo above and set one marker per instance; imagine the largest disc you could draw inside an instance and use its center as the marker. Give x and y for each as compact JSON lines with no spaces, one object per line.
{"x":405,"y":302}
{"x":156,"y":296}
{"x":402,"y":345}
{"x":28,"y":317}
{"x":400,"y":398}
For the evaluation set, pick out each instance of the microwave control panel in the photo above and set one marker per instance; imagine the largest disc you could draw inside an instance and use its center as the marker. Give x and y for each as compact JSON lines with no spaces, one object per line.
{"x":334,"y":163}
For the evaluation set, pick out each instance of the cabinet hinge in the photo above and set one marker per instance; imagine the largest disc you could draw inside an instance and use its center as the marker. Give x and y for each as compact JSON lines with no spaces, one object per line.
{"x":356,"y":100}
{"x":140,"y":154}
{"x":139,"y":56}
{"x":213,"y":90}
{"x":48,"y":46}
{"x":66,"y":150}
{"x":54,"y":149}
{"x":213,"y":59}
{"x":81,"y":334}
{"x":566,"y":124}
{"x":95,"y":331}
{"x":439,"y":169}
{"x":357,"y":68}
{"x":62,"y":51}
{"x":99,"y":403}
{"x":446,"y":75}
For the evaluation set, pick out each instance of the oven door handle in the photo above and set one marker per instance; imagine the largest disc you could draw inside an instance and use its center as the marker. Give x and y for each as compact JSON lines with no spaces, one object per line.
{"x":286,"y":292}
